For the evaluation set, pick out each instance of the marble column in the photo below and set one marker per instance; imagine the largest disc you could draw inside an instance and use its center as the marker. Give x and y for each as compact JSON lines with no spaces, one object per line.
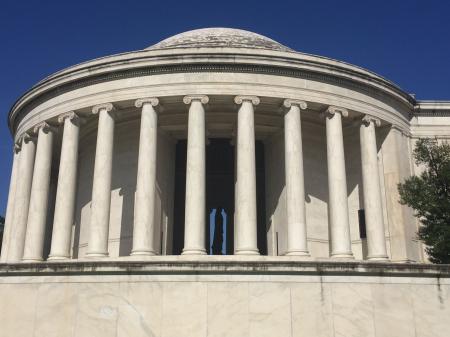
{"x":295,"y":185}
{"x":337,"y":185}
{"x":376,"y":242}
{"x":144,"y":210}
{"x":9,"y":221}
{"x":195,"y":211}
{"x":40,"y":188}
{"x":22,"y":199}
{"x":66,"y":189}
{"x":245,"y":203}
{"x":101,"y":187}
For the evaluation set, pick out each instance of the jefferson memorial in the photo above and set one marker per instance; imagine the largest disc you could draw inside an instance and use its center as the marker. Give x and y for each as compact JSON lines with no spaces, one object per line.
{"x":218,"y":183}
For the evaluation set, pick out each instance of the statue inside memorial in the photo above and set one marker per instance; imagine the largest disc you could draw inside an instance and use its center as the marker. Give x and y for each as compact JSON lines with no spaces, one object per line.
{"x":218,"y":232}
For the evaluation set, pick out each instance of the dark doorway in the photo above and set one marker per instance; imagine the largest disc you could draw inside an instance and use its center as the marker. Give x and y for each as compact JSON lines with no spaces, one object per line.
{"x":261,"y":197}
{"x":179,"y":196}
{"x":220,"y":196}
{"x":220,"y":166}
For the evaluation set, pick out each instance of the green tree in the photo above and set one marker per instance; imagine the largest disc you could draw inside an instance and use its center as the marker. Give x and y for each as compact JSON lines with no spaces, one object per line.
{"x":2,"y":220}
{"x":429,"y":196}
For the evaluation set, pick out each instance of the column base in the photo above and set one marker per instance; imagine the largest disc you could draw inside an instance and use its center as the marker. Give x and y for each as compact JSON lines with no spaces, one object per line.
{"x":97,"y":255}
{"x":378,"y":258}
{"x":32,"y":259}
{"x":138,"y":252}
{"x":194,"y":251}
{"x":298,"y":253}
{"x":343,"y":256}
{"x":58,"y":258}
{"x":246,"y":252}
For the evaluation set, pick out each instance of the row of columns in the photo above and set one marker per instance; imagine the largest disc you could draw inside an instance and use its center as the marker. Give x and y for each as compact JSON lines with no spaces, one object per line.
{"x":25,"y":230}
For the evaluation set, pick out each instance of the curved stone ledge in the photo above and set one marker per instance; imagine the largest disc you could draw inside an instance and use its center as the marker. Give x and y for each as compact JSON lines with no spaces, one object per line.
{"x":225,"y":265}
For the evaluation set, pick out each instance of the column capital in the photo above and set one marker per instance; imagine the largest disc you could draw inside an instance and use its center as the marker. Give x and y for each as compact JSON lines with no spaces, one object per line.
{"x":287,"y":103}
{"x":45,"y":127}
{"x":27,"y":137}
{"x":242,"y":98}
{"x":332,"y":110}
{"x":147,"y":100}
{"x":72,"y":116}
{"x":367,"y":119}
{"x":105,"y":106}
{"x":188,"y":99}
{"x":17,"y":147}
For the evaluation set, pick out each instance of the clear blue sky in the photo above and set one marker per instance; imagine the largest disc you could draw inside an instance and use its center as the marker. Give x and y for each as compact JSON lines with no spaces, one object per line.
{"x":407,"y":42}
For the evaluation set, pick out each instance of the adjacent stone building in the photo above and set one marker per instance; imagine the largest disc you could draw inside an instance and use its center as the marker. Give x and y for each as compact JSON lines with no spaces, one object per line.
{"x":131,"y":170}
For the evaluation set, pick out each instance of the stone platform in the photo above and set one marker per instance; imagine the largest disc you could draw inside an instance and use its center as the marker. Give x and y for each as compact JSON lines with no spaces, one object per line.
{"x":224,"y":296}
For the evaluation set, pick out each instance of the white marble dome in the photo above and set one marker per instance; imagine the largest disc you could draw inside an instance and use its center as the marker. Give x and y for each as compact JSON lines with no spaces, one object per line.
{"x":219,"y":37}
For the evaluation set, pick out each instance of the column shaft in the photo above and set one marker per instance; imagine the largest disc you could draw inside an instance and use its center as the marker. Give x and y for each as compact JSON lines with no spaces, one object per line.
{"x":37,"y":213}
{"x":245,"y":203}
{"x":144,"y":214}
{"x":22,"y":199}
{"x":9,"y":221}
{"x":101,"y":188}
{"x":66,"y":190}
{"x":376,"y":242}
{"x":337,"y":186}
{"x":295,"y":186}
{"x":195,"y":212}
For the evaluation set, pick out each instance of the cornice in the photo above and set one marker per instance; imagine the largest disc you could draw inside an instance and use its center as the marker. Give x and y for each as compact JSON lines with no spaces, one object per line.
{"x":432,"y":109}
{"x":312,"y":69}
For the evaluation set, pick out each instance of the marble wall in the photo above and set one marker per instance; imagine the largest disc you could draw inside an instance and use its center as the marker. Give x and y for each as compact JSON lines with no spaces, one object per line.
{"x":223,"y":305}
{"x":397,"y":166}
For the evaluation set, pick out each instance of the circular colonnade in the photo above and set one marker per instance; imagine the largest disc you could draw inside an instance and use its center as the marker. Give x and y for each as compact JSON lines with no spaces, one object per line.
{"x":199,"y":85}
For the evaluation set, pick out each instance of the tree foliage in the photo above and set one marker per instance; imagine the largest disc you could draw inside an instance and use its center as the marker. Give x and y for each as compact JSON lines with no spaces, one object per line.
{"x":2,"y":220}
{"x":429,"y":196}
